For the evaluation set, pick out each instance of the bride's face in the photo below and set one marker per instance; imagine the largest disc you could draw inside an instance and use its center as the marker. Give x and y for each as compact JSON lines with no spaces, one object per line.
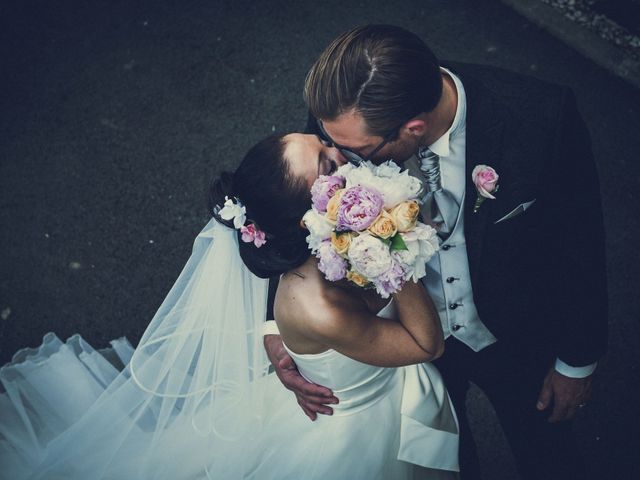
{"x":309,"y":157}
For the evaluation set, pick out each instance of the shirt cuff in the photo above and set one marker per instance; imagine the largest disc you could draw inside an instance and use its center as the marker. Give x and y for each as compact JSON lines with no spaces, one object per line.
{"x":575,"y":372}
{"x":270,"y":327}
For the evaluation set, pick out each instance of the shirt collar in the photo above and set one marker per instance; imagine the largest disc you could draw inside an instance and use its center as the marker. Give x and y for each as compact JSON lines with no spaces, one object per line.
{"x":441,"y":146}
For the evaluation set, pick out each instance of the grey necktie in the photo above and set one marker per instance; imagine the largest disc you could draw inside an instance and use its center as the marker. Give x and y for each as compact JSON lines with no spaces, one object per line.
{"x":438,"y":202}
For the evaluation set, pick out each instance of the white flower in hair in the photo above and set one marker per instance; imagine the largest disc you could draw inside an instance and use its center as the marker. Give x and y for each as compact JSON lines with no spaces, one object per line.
{"x":235,"y":211}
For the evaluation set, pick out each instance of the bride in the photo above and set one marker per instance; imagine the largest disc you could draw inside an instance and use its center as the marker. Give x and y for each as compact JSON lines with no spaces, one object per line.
{"x":195,"y":399}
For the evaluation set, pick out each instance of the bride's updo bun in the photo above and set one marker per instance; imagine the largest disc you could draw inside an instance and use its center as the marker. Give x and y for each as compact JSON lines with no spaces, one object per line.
{"x":275,"y":201}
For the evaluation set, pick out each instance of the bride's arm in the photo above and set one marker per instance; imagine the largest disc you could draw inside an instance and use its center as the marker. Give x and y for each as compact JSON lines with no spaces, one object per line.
{"x":347,"y":327}
{"x":419,"y":316}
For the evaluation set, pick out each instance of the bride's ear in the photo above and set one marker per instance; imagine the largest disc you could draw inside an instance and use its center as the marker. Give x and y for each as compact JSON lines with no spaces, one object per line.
{"x":302,"y":224}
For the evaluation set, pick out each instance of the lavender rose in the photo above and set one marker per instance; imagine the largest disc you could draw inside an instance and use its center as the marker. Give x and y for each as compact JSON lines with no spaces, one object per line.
{"x":331,"y":264}
{"x":359,"y":207}
{"x":323,"y":189}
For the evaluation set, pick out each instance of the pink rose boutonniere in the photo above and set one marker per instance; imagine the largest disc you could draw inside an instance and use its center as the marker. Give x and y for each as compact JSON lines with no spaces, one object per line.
{"x":485,"y":179}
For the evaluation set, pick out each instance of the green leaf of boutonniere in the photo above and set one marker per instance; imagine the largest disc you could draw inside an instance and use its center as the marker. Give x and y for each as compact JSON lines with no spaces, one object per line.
{"x":397,"y":243}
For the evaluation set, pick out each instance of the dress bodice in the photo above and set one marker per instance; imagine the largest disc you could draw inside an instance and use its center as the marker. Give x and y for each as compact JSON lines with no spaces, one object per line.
{"x":357,"y":385}
{"x":427,"y":416}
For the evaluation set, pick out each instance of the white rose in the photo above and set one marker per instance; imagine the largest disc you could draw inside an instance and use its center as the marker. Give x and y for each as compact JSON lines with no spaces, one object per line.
{"x":422,"y":243}
{"x":428,"y":239}
{"x":361,"y":175}
{"x":398,"y":188}
{"x":413,"y":185}
{"x":387,"y":170}
{"x":392,"y":191}
{"x":406,"y":259}
{"x":369,"y":256}
{"x":319,"y":229}
{"x":344,"y":170}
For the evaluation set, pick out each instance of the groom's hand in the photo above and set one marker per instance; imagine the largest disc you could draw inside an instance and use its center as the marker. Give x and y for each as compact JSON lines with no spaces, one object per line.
{"x":312,"y":398}
{"x":567,"y":394}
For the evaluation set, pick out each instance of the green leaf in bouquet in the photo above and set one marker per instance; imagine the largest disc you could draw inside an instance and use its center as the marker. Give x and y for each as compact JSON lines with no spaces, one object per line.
{"x":386,"y":241}
{"x":397,"y":243}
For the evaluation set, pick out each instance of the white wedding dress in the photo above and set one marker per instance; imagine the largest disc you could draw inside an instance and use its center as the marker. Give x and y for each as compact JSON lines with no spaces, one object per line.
{"x":390,"y":423}
{"x":71,"y":412}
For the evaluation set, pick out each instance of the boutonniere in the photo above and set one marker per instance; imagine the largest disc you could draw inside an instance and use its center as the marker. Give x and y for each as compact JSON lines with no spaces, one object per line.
{"x":485,"y":179}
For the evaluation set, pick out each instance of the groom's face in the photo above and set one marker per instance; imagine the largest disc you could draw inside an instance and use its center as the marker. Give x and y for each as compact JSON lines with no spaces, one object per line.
{"x":349,"y":131}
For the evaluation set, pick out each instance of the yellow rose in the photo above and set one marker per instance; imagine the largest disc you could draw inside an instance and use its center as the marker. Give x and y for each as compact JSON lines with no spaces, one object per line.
{"x":341,"y":242}
{"x":406,"y":215}
{"x":333,"y":204}
{"x":356,"y":278}
{"x":384,"y":226}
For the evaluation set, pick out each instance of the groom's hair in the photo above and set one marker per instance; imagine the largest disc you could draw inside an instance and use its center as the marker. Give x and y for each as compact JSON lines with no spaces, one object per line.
{"x":384,"y":72}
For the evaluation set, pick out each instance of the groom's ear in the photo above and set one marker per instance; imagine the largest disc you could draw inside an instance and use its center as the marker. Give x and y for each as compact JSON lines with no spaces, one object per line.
{"x":416,"y":127}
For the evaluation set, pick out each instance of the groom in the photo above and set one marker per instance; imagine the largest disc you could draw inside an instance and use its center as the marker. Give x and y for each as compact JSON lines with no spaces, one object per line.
{"x":519,"y":281}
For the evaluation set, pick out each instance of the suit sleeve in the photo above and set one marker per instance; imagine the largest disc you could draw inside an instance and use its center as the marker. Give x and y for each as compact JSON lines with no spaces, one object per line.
{"x":576,"y":216}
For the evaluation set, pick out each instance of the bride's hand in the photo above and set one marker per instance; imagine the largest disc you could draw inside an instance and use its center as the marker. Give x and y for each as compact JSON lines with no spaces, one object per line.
{"x":312,"y":398}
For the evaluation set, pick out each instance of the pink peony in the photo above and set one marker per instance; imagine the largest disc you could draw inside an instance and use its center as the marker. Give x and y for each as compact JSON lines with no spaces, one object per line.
{"x":369,"y":256}
{"x":323,"y":189}
{"x":359,"y":207}
{"x":485,"y":179}
{"x":331,"y":264}
{"x":391,"y":280}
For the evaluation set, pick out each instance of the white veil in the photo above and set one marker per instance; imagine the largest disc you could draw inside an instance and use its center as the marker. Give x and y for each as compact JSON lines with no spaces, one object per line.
{"x":188,"y":403}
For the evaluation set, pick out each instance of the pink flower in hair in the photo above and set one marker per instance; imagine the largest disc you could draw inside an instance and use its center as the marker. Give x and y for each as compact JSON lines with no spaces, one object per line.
{"x":251,"y":234}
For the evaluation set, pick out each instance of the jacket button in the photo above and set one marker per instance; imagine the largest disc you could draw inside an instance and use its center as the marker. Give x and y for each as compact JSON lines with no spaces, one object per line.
{"x":450,"y":280}
{"x":453,"y":306}
{"x":456,"y":327}
{"x":446,"y":247}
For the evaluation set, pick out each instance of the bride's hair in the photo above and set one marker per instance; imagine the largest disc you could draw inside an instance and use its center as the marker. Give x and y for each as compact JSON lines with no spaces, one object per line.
{"x":275,"y":201}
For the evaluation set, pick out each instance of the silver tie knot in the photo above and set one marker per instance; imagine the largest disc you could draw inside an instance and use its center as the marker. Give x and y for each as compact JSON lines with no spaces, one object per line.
{"x":430,"y":166}
{"x":438,"y":202}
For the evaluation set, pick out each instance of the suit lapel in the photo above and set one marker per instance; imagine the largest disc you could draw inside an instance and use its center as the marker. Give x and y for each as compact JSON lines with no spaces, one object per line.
{"x":484,"y":146}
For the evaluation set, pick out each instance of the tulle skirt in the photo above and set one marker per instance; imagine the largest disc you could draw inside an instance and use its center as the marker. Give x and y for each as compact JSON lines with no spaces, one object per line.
{"x":71,"y":412}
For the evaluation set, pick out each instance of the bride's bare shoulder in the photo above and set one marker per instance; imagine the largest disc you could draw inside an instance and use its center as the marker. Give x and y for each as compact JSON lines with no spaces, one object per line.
{"x":304,"y":294}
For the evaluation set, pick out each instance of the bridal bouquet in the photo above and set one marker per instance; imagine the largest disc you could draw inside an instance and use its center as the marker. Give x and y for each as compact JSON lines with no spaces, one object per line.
{"x":363,"y":226}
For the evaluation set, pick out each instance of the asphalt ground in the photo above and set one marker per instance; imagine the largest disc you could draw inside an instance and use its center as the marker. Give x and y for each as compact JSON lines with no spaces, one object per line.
{"x":116,"y":114}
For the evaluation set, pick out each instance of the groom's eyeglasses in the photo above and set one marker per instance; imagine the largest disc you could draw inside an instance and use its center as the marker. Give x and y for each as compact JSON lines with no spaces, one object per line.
{"x":351,"y":156}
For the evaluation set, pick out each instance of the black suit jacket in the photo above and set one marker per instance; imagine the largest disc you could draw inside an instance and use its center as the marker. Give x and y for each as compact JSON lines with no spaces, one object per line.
{"x":538,"y":278}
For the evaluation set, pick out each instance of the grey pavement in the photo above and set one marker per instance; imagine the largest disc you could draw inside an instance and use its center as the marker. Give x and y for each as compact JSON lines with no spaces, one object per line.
{"x":115,"y":114}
